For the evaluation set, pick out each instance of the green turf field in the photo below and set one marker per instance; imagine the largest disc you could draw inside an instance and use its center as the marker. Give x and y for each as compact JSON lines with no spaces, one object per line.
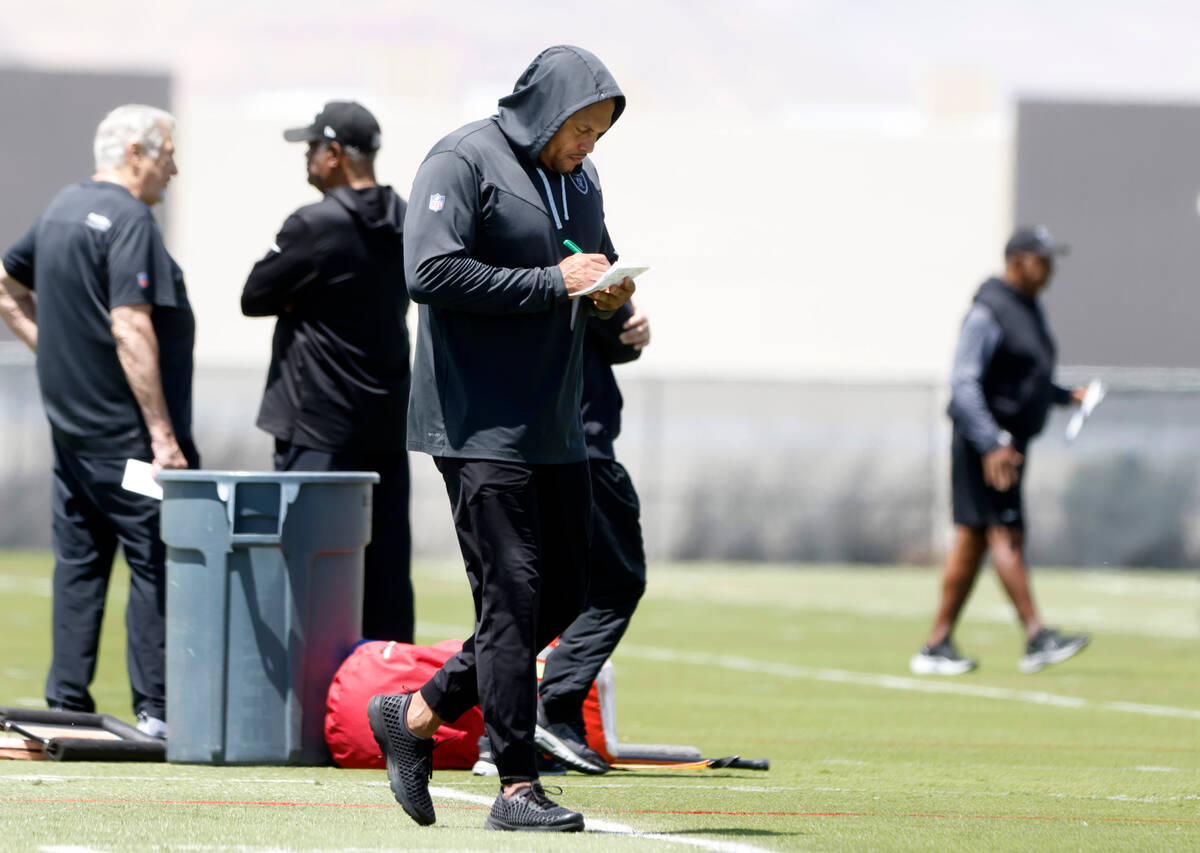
{"x":805,"y":665}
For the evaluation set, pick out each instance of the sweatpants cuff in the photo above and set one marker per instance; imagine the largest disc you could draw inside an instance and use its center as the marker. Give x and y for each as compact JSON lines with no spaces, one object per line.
{"x":512,"y":780}
{"x":441,"y":704}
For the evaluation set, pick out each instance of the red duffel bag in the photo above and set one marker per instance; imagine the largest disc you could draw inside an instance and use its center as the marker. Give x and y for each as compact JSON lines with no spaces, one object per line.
{"x":380,"y":667}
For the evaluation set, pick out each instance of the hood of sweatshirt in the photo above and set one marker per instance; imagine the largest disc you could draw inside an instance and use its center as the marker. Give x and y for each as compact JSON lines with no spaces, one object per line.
{"x":996,"y":287}
{"x":378,"y":209}
{"x":559,"y":82}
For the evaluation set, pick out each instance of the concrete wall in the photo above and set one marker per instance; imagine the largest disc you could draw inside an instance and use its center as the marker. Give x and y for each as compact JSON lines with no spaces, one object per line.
{"x":768,"y":470}
{"x":57,"y":113}
{"x":1121,"y":183}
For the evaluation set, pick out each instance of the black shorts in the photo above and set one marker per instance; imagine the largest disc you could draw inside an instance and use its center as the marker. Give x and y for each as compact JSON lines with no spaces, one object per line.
{"x":976,"y":504}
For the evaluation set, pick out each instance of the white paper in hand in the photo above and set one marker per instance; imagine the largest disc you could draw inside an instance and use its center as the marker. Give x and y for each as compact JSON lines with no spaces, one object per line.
{"x":139,"y":478}
{"x":1091,"y":399}
{"x":613,"y":275}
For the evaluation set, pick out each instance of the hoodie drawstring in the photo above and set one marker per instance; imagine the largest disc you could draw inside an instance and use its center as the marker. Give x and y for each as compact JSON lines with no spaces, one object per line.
{"x":562,"y":184}
{"x":550,"y":199}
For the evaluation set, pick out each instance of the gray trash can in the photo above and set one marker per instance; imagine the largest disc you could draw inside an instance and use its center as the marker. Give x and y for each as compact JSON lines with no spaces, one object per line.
{"x":264,"y":602}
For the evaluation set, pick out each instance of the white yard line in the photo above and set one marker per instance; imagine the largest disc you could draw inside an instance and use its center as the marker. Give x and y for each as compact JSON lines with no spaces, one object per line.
{"x":16,"y":585}
{"x":444,"y":630}
{"x":191,"y":780}
{"x":246,"y":848}
{"x":1002,"y":795}
{"x":642,"y":785}
{"x":867,"y":679}
{"x":595,"y":825}
{"x":898,"y":682}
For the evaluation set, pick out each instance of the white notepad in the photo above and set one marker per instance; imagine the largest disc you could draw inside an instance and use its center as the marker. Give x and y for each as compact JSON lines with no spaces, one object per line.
{"x":614,"y":275}
{"x":1091,"y":399}
{"x":139,"y":478}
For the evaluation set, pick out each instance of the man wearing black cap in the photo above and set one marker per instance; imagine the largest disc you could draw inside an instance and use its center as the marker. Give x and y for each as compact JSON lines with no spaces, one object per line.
{"x":1002,"y":389}
{"x":337,"y":387}
{"x":497,"y":380}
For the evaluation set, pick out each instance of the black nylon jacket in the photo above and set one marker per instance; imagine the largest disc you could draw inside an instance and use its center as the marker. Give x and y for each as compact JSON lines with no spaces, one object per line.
{"x":339,"y":373}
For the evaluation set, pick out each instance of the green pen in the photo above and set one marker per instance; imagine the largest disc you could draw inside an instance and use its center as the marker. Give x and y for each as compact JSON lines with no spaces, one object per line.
{"x":573,"y":247}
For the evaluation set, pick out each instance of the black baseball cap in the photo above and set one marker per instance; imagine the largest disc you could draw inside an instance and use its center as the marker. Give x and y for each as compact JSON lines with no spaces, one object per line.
{"x":346,"y":122}
{"x":1037,"y":240}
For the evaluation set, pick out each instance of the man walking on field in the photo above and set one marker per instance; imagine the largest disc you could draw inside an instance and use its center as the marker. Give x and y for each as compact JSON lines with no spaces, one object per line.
{"x":498,"y":208}
{"x":1003,"y":388}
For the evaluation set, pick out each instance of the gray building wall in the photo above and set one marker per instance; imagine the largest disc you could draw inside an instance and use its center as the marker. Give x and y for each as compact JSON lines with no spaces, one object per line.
{"x":1121,"y":184}
{"x":51,"y":119}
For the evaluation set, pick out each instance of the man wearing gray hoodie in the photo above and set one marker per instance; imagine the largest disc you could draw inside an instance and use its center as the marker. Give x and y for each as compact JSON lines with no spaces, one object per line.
{"x":498,"y":208}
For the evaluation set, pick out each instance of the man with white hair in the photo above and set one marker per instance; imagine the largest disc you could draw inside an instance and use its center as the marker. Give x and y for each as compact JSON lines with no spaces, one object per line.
{"x":93,"y":292}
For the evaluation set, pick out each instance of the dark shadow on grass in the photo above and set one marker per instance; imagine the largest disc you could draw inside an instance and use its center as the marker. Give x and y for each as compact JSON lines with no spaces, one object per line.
{"x":694,"y":774}
{"x":740,"y":833}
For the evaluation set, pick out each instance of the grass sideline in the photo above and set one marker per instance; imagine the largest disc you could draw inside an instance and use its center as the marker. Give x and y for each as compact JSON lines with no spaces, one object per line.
{"x":805,"y":665}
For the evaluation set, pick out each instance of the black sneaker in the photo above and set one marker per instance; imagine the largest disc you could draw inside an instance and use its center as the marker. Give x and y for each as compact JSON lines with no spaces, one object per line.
{"x":1047,"y":647}
{"x":940,"y":659}
{"x":530,"y":810}
{"x":485,"y":765}
{"x":568,"y":743}
{"x":409,"y":758}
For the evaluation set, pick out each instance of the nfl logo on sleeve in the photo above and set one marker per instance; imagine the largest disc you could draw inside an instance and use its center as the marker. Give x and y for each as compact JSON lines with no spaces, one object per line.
{"x":436,"y":202}
{"x":143,"y":280}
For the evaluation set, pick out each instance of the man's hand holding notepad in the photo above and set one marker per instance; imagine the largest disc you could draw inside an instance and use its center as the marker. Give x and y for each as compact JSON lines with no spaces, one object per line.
{"x":615,"y":275}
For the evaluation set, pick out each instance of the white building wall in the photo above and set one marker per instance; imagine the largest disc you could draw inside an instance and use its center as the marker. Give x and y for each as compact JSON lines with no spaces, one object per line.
{"x":786,"y":238}
{"x":831,"y":250}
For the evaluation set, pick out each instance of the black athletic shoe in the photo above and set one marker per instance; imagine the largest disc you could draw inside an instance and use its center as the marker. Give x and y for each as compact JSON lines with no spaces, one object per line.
{"x":409,"y":758}
{"x":1047,"y":647}
{"x":942,"y":659}
{"x":568,"y":743}
{"x":530,"y":810}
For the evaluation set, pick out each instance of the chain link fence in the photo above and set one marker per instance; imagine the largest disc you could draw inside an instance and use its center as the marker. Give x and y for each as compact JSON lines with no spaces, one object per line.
{"x":772,"y":470}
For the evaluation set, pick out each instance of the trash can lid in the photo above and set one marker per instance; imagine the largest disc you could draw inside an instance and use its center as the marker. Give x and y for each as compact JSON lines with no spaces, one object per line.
{"x":200,"y":475}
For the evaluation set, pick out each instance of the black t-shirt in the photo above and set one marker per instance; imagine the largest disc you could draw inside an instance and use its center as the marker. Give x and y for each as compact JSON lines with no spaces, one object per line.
{"x":96,"y":248}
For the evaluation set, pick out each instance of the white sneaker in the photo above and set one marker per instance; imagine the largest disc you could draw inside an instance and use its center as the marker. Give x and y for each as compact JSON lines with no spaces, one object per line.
{"x":942,"y":659}
{"x":486,"y":764}
{"x":152,"y":726}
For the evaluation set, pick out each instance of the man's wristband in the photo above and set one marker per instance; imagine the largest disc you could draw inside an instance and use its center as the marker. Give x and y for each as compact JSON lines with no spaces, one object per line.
{"x":1004,"y":439}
